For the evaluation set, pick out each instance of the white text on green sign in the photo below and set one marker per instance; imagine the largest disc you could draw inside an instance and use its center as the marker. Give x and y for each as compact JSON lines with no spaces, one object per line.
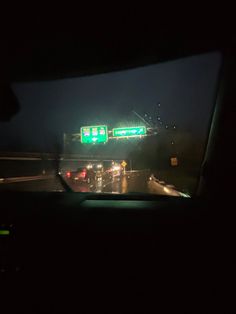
{"x":94,"y":134}
{"x":129,"y":131}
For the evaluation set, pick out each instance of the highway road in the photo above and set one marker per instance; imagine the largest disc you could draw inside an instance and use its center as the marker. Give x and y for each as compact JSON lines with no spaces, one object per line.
{"x":135,"y":181}
{"x":132,"y":182}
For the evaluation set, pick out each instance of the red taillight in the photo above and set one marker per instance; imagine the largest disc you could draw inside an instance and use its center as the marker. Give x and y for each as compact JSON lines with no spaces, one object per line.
{"x":68,"y":174}
{"x":83,"y":174}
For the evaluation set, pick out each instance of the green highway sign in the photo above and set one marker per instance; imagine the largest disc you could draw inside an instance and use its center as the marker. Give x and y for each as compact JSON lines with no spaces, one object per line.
{"x":94,"y":134}
{"x":129,"y":131}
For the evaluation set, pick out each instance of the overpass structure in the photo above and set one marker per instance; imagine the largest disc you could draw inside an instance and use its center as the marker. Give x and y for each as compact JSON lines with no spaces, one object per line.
{"x":54,"y":156}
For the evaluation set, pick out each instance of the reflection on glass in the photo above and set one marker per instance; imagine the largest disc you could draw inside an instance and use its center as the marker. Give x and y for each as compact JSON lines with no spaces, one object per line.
{"x":124,"y":185}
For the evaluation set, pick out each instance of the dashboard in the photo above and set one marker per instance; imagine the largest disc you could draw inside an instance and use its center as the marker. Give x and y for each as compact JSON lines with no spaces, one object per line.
{"x":71,"y":251}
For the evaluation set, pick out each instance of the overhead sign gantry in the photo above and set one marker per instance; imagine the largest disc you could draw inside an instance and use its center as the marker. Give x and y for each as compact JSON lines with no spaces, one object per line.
{"x":94,"y":134}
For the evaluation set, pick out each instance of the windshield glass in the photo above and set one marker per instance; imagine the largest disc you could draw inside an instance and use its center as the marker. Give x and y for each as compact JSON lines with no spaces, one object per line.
{"x":139,"y":130}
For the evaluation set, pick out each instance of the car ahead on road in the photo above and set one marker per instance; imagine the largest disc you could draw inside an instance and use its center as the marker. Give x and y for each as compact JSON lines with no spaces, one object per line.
{"x":82,"y":174}
{"x":113,"y":173}
{"x":98,"y":175}
{"x":116,"y":171}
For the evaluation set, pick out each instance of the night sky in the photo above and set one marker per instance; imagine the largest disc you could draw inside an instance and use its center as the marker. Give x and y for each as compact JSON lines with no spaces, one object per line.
{"x":185,"y":88}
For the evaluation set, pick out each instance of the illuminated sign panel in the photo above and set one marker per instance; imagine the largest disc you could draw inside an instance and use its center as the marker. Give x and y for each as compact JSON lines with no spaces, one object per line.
{"x":129,"y":131}
{"x":94,"y":134}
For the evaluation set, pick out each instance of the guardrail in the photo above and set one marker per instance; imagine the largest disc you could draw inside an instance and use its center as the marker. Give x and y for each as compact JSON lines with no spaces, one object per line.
{"x":168,"y":189}
{"x":24,"y":179}
{"x":134,"y":171}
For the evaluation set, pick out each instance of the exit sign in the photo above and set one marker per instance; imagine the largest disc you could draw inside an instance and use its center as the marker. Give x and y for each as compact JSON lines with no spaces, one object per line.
{"x":129,"y":131}
{"x":94,"y":134}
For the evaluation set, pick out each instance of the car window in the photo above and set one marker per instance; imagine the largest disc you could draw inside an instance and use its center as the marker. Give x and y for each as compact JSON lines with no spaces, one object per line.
{"x":141,"y":130}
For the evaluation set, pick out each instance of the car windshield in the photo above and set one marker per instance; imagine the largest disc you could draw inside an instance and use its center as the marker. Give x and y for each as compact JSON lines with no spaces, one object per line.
{"x":141,"y":130}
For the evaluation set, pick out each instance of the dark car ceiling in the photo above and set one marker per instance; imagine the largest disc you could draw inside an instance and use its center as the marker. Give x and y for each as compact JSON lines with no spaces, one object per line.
{"x":48,"y":47}
{"x":70,"y":57}
{"x":43,"y":59}
{"x":42,"y":48}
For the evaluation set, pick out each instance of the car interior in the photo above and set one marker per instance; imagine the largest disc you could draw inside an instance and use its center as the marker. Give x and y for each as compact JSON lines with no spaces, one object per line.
{"x":120,"y":253}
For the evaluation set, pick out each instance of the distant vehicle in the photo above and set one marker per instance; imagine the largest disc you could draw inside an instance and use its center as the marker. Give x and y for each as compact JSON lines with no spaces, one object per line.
{"x":82,"y":174}
{"x":98,"y":167}
{"x":98,"y":175}
{"x":98,"y":171}
{"x":116,"y":170}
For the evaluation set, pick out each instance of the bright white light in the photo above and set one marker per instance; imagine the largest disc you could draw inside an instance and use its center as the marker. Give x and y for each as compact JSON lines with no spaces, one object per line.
{"x":89,"y":166}
{"x":166,"y":190}
{"x":99,"y":166}
{"x":116,"y":168}
{"x":184,"y":194}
